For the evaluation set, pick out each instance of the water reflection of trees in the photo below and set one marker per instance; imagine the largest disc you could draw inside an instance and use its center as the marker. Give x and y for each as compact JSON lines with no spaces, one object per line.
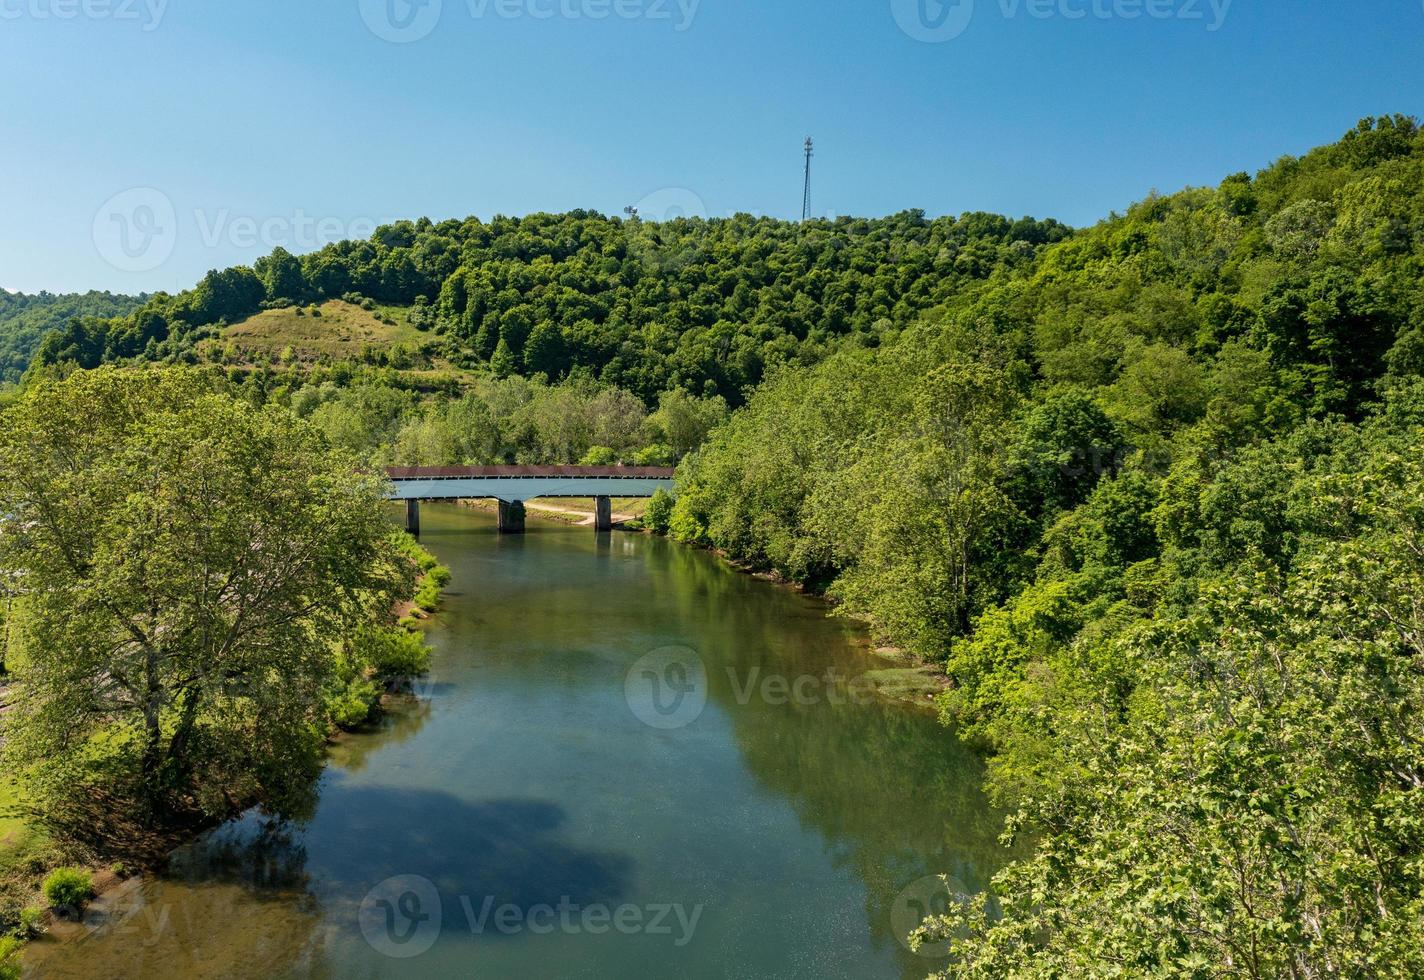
{"x":402,"y":718}
{"x":234,"y":903}
{"x":893,"y":794}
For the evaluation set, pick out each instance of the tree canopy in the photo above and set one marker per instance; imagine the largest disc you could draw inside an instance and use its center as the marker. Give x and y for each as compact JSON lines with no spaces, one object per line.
{"x":189,"y":568}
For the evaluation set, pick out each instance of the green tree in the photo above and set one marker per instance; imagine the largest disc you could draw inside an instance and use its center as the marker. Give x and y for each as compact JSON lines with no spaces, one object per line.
{"x":546,"y":353}
{"x":188,"y":564}
{"x":281,"y":274}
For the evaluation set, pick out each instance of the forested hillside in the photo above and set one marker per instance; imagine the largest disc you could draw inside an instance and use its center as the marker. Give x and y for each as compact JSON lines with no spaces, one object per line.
{"x":704,"y":305}
{"x":1154,"y":498}
{"x":25,"y":319}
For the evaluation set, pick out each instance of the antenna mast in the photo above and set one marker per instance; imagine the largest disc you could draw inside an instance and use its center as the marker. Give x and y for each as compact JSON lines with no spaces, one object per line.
{"x":806,"y":195}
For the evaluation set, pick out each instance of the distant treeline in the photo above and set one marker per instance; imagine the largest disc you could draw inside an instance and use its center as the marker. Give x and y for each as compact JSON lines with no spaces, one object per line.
{"x":703,"y":305}
{"x":26,"y":319}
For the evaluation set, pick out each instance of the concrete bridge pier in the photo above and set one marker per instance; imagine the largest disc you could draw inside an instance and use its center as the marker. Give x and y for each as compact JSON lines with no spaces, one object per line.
{"x":602,"y":514}
{"x":511,"y":517}
{"x":412,"y":518}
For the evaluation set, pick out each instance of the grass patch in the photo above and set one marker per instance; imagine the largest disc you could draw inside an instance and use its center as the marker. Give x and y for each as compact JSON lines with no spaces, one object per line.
{"x":18,"y":837}
{"x":918,"y":685}
{"x":342,"y":332}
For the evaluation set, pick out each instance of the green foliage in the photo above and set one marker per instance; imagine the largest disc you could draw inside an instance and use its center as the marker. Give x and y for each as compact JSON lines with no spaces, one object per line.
{"x":658,"y":517}
{"x":31,"y":918}
{"x":68,"y":889}
{"x":10,"y":948}
{"x":1153,"y":499}
{"x":393,"y":653}
{"x":706,"y":306}
{"x":25,"y":320}
{"x":378,"y":657}
{"x":187,"y":566}
{"x":432,"y":584}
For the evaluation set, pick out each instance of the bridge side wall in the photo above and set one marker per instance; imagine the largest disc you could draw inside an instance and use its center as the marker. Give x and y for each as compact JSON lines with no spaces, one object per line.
{"x":526,"y":489}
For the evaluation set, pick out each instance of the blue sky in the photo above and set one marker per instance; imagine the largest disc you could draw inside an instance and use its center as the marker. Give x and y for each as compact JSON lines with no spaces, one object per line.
{"x":143,"y":142}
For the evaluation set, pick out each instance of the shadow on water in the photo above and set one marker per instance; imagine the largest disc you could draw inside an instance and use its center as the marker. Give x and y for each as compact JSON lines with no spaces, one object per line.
{"x":257,"y":898}
{"x":507,"y":850}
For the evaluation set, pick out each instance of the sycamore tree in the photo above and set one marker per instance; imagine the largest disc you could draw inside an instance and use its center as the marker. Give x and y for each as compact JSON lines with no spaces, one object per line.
{"x":189,"y":568}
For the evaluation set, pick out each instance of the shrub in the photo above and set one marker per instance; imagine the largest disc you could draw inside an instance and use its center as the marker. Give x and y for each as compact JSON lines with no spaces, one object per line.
{"x":427,"y":596}
{"x":599,"y":456}
{"x":68,"y":889}
{"x":30,"y":918}
{"x":655,"y":455}
{"x":9,"y":958}
{"x":393,"y":653}
{"x":351,"y":706}
{"x":659,"y":516}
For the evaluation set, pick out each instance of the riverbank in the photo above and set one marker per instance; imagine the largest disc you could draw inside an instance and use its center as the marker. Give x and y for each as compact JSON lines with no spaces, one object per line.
{"x":128,"y":852}
{"x":912,"y":681}
{"x":578,"y":511}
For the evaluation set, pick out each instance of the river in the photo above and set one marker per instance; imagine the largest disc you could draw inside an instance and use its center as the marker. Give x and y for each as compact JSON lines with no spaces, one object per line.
{"x":627,"y":761}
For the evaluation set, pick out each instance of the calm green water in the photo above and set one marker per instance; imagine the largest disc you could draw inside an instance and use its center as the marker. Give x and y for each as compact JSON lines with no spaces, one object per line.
{"x":604,"y":777}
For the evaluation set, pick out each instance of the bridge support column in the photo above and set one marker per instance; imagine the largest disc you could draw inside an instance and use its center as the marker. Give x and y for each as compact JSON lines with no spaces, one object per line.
{"x":412,"y":517}
{"x":511,"y":517}
{"x":602,"y":514}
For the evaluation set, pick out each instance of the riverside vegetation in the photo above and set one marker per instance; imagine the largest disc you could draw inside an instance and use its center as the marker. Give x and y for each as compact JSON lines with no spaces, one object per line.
{"x":1149,"y":492}
{"x":199,"y":593}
